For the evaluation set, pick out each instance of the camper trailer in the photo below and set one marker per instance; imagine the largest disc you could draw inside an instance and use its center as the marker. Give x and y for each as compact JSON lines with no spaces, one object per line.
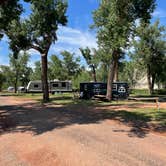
{"x":91,"y":89}
{"x":54,"y":86}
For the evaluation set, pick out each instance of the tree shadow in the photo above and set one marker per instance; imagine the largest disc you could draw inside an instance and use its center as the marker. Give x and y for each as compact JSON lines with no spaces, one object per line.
{"x":38,"y":118}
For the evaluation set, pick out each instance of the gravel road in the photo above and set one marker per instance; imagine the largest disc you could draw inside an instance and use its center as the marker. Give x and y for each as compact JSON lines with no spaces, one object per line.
{"x":100,"y":143}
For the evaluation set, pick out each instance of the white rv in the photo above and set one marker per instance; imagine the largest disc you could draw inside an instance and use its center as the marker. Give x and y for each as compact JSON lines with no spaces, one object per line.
{"x":54,"y":86}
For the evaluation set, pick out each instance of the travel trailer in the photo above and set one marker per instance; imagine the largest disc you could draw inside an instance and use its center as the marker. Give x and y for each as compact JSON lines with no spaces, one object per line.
{"x":91,"y":89}
{"x":54,"y":86}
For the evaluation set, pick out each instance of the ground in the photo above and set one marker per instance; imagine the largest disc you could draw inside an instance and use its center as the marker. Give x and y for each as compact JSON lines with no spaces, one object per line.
{"x":81,"y":134}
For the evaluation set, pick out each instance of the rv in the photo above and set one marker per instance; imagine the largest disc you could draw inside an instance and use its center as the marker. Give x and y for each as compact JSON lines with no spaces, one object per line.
{"x":54,"y":86}
{"x":91,"y":89}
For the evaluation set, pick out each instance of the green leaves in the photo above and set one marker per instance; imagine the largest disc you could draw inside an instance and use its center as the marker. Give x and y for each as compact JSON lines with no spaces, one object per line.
{"x":9,"y":10}
{"x":70,"y":64}
{"x":150,"y":49}
{"x":39,"y":30}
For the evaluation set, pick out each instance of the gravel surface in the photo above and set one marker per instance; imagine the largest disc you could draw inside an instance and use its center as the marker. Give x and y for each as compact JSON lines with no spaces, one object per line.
{"x":49,"y":136}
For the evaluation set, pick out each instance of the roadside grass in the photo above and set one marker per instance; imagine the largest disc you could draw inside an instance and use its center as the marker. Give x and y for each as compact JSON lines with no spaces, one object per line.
{"x":142,"y":121}
{"x":146,"y":115}
{"x":145,"y":93}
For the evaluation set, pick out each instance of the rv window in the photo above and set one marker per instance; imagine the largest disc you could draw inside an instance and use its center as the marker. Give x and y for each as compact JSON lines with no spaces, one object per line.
{"x":36,"y":85}
{"x":63,"y":84}
{"x":54,"y":85}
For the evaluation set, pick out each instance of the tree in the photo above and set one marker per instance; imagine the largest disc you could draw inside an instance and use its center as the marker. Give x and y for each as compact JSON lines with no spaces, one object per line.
{"x":2,"y":80}
{"x":129,"y":71}
{"x":150,"y":51}
{"x":39,"y":32}
{"x":7,"y":76}
{"x":70,"y":64}
{"x":56,"y":70}
{"x":90,"y":60}
{"x":83,"y":76}
{"x":19,"y":68}
{"x":36,"y":73}
{"x":114,"y":20}
{"x":9,"y":10}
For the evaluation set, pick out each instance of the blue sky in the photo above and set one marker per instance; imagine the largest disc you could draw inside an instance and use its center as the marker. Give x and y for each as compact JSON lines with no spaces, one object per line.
{"x":77,"y":33}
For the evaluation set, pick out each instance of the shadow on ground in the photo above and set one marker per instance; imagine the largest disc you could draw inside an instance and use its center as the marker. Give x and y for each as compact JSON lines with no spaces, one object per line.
{"x":39,"y":119}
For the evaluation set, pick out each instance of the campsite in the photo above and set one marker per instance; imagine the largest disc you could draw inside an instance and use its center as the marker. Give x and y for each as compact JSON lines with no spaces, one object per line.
{"x":82,"y":83}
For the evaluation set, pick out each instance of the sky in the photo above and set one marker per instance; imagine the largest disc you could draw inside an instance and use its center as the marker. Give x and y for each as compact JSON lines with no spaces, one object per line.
{"x":77,"y":32}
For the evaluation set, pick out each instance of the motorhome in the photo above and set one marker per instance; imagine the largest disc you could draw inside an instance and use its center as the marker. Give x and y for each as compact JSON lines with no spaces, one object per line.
{"x":54,"y":86}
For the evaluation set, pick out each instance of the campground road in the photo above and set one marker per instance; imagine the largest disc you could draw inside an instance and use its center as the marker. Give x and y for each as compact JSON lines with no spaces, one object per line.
{"x":52,"y":138}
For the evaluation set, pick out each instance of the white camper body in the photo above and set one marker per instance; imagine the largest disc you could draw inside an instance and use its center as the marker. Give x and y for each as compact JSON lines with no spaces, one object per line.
{"x":54,"y":86}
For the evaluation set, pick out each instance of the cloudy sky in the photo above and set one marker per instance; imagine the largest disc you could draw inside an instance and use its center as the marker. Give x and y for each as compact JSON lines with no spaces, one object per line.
{"x":77,"y":32}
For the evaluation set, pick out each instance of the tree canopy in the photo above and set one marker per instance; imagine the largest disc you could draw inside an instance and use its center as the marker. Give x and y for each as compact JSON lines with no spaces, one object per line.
{"x":114,"y":21}
{"x":39,"y":32}
{"x":150,"y":51}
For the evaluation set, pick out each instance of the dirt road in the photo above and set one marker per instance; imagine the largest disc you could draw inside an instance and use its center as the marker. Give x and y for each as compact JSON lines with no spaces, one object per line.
{"x":51,"y":135}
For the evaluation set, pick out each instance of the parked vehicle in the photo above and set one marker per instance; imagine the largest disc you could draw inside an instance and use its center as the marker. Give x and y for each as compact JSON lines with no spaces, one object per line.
{"x":54,"y":86}
{"x":90,"y":89}
{"x":10,"y":89}
{"x":21,"y":89}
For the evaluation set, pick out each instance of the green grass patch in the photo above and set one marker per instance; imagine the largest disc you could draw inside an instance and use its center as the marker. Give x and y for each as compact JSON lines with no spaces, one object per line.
{"x":141,"y":92}
{"x":145,"y":93}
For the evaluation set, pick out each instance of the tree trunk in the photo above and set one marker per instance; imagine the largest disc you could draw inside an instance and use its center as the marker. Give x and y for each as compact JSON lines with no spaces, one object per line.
{"x":149,"y":80}
{"x":153,"y":81}
{"x":44,"y":77}
{"x":116,"y":71}
{"x":15,"y":84}
{"x":94,"y":73}
{"x":111,"y":73}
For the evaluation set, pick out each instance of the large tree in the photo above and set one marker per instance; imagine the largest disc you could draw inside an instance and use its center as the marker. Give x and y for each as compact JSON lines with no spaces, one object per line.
{"x":39,"y":32}
{"x":150,"y":51}
{"x":90,"y":60}
{"x":114,"y":20}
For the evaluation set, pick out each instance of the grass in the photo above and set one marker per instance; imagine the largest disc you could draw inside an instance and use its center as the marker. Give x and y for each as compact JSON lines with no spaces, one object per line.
{"x":145,"y":93}
{"x":153,"y":114}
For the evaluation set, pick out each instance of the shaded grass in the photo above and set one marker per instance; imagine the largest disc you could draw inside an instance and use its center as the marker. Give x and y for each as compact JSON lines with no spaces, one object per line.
{"x":141,"y":121}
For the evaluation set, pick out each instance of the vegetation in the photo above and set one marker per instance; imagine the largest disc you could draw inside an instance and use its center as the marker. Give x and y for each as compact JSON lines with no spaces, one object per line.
{"x":38,"y":32}
{"x":114,"y":21}
{"x":90,"y":60}
{"x":150,"y":52}
{"x":115,"y":24}
{"x":9,"y":10}
{"x":18,"y":72}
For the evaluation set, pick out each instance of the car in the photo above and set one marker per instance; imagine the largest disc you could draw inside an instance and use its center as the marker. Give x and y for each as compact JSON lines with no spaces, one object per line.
{"x":10,"y":89}
{"x":21,"y":89}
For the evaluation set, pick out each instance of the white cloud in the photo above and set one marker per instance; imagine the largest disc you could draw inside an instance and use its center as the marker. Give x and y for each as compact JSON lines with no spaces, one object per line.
{"x":75,"y":37}
{"x":32,"y":52}
{"x":71,"y":40}
{"x":159,"y":13}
